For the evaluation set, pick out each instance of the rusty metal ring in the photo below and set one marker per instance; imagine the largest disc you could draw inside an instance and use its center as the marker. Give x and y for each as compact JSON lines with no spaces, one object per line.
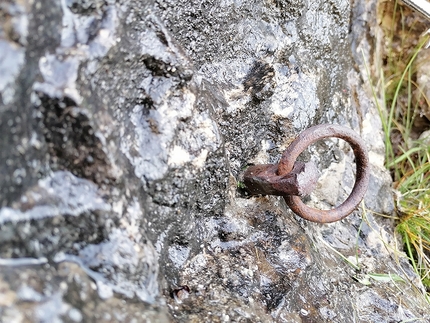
{"x":310,"y":136}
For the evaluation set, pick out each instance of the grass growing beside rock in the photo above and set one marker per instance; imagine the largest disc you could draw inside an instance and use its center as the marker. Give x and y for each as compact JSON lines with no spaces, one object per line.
{"x":407,"y":147}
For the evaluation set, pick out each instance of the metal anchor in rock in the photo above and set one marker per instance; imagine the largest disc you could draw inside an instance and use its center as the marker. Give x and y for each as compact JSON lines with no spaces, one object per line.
{"x":292,"y":179}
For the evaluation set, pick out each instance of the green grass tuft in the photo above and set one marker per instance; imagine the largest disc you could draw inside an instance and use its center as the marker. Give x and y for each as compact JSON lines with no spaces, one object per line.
{"x":408,"y":159}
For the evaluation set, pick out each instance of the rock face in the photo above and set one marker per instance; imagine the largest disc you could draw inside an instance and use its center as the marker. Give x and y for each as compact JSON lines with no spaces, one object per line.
{"x":125,"y":128}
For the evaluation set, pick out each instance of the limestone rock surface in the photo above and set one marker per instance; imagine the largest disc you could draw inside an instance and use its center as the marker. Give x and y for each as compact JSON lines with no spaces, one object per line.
{"x":125,"y":127}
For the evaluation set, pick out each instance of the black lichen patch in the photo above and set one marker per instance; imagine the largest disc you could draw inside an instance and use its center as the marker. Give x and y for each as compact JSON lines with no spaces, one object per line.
{"x":259,"y":80}
{"x":156,"y":66}
{"x":293,"y":8}
{"x":72,"y":142}
{"x":273,"y":294}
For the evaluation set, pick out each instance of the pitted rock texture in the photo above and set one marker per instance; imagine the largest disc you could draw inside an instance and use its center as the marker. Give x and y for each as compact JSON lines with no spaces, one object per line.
{"x":125,"y":128}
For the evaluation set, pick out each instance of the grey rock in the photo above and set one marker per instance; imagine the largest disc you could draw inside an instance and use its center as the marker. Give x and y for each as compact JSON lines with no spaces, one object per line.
{"x":125,"y":128}
{"x":61,"y":193}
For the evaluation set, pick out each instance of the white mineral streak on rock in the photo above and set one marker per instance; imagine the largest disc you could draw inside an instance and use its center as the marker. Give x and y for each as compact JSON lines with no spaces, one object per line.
{"x":330,"y":183}
{"x":12,"y":58}
{"x":59,"y":77}
{"x":75,"y":31}
{"x":122,"y":266}
{"x":178,"y":156}
{"x":60,"y":194}
{"x":372,"y":134}
{"x":152,"y":144}
{"x":295,"y":97}
{"x":178,"y":255}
